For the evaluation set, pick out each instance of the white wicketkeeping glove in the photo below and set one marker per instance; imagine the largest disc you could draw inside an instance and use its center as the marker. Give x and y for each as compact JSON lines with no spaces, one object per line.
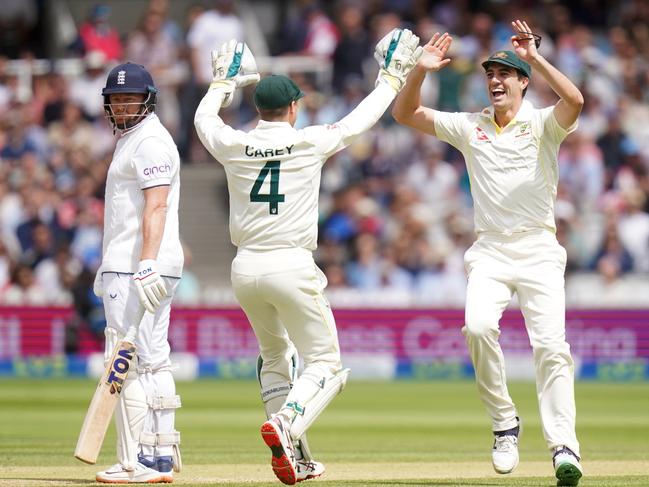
{"x":150,"y":286}
{"x":233,"y":66}
{"x":397,"y":53}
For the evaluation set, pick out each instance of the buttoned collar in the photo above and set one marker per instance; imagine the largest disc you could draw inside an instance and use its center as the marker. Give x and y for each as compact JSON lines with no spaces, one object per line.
{"x":524,"y":113}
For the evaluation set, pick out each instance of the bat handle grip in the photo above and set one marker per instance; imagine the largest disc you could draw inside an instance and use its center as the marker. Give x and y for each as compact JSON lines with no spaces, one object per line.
{"x":131,"y":333}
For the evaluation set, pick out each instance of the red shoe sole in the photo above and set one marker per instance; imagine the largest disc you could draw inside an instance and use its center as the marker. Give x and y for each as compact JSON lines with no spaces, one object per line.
{"x":281,"y":464}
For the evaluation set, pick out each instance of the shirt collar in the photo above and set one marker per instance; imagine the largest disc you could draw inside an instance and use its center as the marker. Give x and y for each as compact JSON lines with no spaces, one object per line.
{"x":265,"y":124}
{"x":135,"y":128}
{"x":524,"y":112}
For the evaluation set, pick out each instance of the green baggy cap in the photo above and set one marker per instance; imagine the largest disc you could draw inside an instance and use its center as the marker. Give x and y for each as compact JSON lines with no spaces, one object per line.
{"x":276,"y":91}
{"x":509,"y":58}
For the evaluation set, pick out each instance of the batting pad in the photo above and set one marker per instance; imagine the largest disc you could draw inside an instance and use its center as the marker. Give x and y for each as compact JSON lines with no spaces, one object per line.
{"x":130,"y":415}
{"x":329,"y":387}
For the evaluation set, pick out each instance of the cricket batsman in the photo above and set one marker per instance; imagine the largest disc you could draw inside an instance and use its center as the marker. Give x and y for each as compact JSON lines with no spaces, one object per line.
{"x":141,"y":267}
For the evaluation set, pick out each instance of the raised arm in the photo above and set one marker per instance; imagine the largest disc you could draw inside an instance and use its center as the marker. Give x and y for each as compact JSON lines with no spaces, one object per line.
{"x":571,"y":100}
{"x":408,"y":109}
{"x":397,"y":53}
{"x":233,"y":66}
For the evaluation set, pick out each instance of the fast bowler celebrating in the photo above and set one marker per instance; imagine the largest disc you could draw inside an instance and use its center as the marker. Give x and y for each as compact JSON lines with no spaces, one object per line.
{"x":510,"y":149}
{"x":273,"y":175}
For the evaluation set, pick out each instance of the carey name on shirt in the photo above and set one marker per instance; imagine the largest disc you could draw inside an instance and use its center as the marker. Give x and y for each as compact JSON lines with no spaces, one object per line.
{"x":255,"y":152}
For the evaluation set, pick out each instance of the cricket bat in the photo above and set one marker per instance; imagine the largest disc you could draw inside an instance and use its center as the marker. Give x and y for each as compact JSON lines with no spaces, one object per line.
{"x":104,"y":401}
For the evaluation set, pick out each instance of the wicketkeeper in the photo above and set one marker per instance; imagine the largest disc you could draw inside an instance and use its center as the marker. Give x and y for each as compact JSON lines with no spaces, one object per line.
{"x":273,"y":175}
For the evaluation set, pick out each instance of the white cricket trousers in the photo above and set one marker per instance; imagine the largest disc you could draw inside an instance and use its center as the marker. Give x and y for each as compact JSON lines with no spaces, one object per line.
{"x":531,"y":264}
{"x":123,"y":307}
{"x":281,"y":293}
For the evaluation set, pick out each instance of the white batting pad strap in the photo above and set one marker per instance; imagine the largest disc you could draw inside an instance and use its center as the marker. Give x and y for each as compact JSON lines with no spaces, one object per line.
{"x":160,"y":439}
{"x":153,"y":370}
{"x":166,"y":439}
{"x":307,"y":413}
{"x":280,"y":389}
{"x":160,"y":402}
{"x":149,"y":439}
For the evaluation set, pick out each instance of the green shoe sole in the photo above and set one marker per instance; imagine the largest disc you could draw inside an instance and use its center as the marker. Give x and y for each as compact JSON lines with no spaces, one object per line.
{"x":568,"y":474}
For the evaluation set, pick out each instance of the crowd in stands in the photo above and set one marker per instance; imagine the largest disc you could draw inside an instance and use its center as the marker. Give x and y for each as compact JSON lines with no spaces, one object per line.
{"x":396,"y":210}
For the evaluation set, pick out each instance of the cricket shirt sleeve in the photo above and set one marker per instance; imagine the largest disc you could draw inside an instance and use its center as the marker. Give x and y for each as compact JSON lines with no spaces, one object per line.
{"x":452,"y":128}
{"x":551,"y":128}
{"x":330,"y":139}
{"x":216,"y":136}
{"x":154,"y":163}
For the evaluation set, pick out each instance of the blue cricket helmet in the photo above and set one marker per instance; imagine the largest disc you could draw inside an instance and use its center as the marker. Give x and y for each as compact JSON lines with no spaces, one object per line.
{"x":130,"y":78}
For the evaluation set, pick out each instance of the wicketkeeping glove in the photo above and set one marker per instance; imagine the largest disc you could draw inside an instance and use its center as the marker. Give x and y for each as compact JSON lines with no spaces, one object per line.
{"x":233,"y":66}
{"x":150,"y":286}
{"x":397,"y":53}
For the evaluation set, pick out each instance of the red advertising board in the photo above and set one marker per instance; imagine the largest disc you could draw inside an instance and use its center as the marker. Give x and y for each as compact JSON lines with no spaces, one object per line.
{"x":412,"y":334}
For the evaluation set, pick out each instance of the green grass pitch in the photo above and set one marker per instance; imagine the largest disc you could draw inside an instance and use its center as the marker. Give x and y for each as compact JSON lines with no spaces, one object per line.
{"x":404,"y":433}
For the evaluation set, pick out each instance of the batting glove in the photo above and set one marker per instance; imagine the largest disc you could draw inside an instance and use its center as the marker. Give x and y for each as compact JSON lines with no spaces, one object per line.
{"x":149,"y":284}
{"x":233,"y":66}
{"x":397,"y":53}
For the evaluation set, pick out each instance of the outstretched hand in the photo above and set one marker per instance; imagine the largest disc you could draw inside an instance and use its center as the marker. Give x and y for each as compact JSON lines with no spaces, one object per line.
{"x":523,"y":41}
{"x":434,"y":56}
{"x":233,"y":66}
{"x":397,"y":53}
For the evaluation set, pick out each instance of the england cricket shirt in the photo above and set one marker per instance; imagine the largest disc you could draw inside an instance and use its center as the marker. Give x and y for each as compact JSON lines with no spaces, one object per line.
{"x":144,"y":157}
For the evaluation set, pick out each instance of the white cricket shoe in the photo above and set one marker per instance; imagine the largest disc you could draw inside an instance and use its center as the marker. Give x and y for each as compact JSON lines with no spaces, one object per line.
{"x":307,"y":470}
{"x":567,"y":468}
{"x":504,"y":455}
{"x":276,"y":435}
{"x":141,"y":474}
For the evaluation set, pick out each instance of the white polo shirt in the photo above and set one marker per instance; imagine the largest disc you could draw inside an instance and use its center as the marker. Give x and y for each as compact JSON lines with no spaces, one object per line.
{"x":145,"y":157}
{"x":273,"y":171}
{"x":513,"y":171}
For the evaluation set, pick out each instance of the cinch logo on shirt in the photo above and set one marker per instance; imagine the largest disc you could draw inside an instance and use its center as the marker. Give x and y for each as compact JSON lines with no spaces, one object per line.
{"x":481,"y":135}
{"x":121,"y":77}
{"x":153,"y":170}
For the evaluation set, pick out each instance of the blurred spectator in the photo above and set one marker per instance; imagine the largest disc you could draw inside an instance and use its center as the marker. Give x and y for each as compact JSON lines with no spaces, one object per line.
{"x":152,"y":46}
{"x":581,"y":170}
{"x":209,"y":30}
{"x":41,"y":246}
{"x":321,"y":33}
{"x":612,"y":259}
{"x":92,"y":80}
{"x":72,"y":131}
{"x":354,"y":48}
{"x":633,"y":229}
{"x":55,"y":95}
{"x":88,"y":308}
{"x":96,"y":34}
{"x":57,"y":274}
{"x":24,"y":290}
{"x":17,"y":24}
{"x":6,"y":267}
{"x":364,"y":270}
